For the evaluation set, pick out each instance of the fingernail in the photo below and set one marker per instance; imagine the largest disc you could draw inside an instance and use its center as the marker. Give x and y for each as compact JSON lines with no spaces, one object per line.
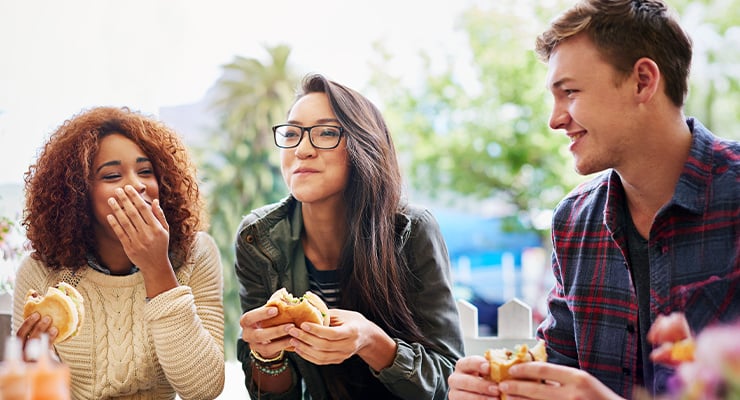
{"x":46,"y":319}
{"x":53,"y":331}
{"x":119,"y":191}
{"x":272,"y":311}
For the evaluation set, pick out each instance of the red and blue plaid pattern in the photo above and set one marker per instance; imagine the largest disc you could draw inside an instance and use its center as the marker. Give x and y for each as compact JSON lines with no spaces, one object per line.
{"x":694,"y":254}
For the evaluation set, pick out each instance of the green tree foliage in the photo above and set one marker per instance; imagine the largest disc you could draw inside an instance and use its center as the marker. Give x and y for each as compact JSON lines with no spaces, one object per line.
{"x":714,"y":26}
{"x":482,"y":132}
{"x":239,"y":165}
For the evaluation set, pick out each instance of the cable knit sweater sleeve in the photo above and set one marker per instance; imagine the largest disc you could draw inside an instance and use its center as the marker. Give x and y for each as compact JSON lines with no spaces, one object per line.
{"x":187,"y":325}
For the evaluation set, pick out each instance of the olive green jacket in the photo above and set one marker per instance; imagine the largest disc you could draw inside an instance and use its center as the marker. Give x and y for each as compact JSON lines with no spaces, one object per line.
{"x":269,"y":255}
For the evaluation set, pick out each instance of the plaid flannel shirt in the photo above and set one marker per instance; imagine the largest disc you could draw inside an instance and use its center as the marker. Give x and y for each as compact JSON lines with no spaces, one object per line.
{"x":694,"y":254}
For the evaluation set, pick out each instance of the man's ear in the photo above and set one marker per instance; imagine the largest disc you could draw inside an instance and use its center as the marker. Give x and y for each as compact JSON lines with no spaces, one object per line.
{"x":648,"y":78}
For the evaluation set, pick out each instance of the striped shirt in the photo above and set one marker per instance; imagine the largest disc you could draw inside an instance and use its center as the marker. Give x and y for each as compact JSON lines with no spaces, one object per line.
{"x":325,"y":284}
{"x":694,"y":260}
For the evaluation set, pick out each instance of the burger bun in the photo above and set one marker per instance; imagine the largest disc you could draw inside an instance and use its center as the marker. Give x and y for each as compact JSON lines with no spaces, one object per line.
{"x":63,"y":304}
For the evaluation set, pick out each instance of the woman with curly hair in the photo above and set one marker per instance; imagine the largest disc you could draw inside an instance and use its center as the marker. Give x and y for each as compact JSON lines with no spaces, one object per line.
{"x":346,"y":233}
{"x":113,"y":208}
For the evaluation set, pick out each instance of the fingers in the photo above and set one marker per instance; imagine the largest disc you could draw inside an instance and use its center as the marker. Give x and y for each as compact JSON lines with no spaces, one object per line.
{"x":137,"y":209}
{"x":159,"y":214}
{"x":531,"y":389}
{"x":141,"y":228}
{"x":469,"y":387}
{"x":34,"y":326}
{"x":265,"y":341}
{"x":132,"y":213}
{"x":24,"y":331}
{"x":540,"y":380}
{"x":669,"y":328}
{"x":541,"y":371}
{"x":251,"y":318}
{"x":468,"y":382}
{"x":473,"y":365}
{"x":322,"y":345}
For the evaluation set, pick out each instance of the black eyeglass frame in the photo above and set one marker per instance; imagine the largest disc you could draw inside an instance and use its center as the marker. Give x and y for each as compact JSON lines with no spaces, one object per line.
{"x":305,"y":129}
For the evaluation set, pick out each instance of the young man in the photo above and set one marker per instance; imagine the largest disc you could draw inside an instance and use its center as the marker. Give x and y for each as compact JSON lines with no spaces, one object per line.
{"x":657,"y":231}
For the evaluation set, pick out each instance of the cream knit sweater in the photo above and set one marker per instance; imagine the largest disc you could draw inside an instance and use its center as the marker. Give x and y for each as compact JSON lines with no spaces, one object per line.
{"x":128,"y":348}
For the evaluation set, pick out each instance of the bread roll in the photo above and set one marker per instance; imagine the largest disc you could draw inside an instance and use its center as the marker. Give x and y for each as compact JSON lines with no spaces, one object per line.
{"x":502,"y":359}
{"x":296,"y":310}
{"x":63,"y":303}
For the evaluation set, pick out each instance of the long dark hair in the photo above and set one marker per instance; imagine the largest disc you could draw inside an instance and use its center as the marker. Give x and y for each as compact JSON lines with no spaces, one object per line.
{"x":373,"y":270}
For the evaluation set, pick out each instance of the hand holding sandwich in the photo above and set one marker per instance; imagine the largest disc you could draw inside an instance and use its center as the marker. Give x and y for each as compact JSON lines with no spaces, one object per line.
{"x":58,"y":312}
{"x":473,"y":379}
{"x":320,"y":335}
{"x":350,"y":333}
{"x":36,"y":325}
{"x":265,"y":328}
{"x":673,"y":339}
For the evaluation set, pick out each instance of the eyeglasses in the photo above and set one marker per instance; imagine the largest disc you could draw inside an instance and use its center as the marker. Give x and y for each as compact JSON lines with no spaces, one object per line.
{"x":288,"y":136}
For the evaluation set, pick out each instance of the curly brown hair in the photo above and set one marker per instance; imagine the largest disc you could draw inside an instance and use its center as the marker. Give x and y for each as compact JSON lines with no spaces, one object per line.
{"x":58,"y":216}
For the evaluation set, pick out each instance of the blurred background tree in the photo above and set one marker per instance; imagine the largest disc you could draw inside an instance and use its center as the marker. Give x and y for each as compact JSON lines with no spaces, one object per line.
{"x":470,"y":129}
{"x":479,"y":129}
{"x":714,"y":93}
{"x":239,"y":167}
{"x":477,"y":126}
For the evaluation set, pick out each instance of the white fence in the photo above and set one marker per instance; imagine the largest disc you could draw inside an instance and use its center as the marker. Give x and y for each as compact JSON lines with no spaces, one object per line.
{"x":514,"y":327}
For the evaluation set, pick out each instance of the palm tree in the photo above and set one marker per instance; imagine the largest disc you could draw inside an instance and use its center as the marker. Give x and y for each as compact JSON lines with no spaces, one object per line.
{"x":239,"y":166}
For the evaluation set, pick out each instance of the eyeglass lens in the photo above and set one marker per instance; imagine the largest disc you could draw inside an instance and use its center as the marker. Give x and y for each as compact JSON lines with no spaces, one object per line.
{"x":321,"y":136}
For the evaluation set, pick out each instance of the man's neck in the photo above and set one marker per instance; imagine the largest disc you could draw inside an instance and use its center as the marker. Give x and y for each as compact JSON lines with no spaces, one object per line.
{"x":651,"y":176}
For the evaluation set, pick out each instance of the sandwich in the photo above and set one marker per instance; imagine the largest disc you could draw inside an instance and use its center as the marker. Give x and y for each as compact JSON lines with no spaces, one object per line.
{"x":296,"y":310}
{"x":63,"y":303}
{"x":502,"y":359}
{"x":682,"y":350}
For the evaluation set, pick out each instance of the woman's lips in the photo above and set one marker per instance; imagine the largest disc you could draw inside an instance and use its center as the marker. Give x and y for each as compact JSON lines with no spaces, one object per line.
{"x":301,"y":171}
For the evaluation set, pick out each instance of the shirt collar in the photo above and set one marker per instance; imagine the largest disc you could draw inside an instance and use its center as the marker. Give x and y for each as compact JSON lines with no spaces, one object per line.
{"x":93,"y":263}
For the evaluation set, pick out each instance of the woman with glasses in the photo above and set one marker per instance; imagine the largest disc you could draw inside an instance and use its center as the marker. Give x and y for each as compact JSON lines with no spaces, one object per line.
{"x":346,"y":234}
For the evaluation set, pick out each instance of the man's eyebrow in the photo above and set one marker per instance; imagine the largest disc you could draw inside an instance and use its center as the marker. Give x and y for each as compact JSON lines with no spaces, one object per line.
{"x":560,"y":82}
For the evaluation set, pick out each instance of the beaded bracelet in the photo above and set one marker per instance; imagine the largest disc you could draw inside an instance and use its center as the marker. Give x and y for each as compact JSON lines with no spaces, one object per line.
{"x":257,"y":358}
{"x":272,"y":371}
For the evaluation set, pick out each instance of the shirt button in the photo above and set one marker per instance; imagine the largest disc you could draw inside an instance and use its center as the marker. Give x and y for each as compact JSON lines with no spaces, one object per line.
{"x":626,"y":371}
{"x":631,"y":328}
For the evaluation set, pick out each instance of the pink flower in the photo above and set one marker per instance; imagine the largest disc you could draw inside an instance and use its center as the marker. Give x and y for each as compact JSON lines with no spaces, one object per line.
{"x":715,"y":371}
